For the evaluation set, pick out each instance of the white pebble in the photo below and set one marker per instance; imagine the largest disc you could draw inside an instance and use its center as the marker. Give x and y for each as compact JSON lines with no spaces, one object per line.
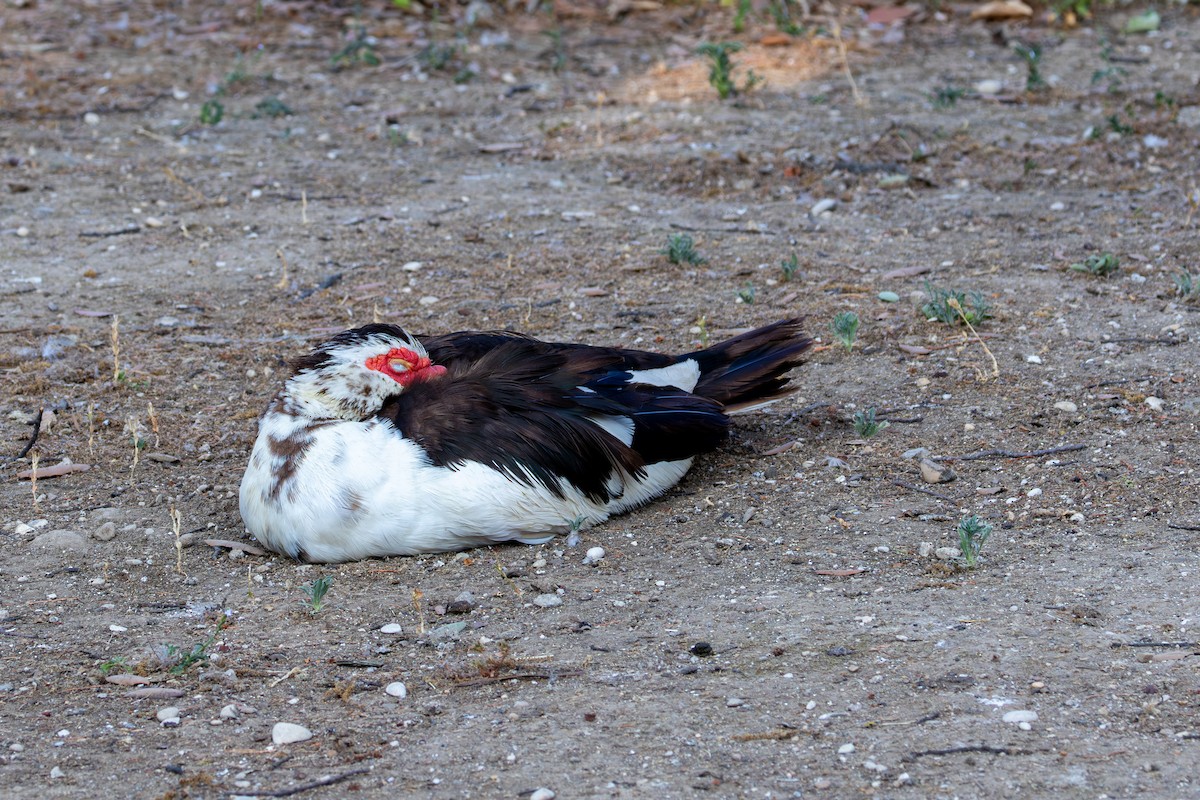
{"x":56,"y":773}
{"x":990,"y":86}
{"x":734,"y":702}
{"x":1025,"y":726}
{"x":229,"y":712}
{"x":1067,"y":406}
{"x":1020,"y":716}
{"x":391,"y":627}
{"x":542,"y":794}
{"x":117,"y":628}
{"x":22,"y":231}
{"x":1034,"y":492}
{"x":821,"y":206}
{"x":547,"y":600}
{"x":91,"y":118}
{"x":846,"y":749}
{"x":1155,"y":403}
{"x":153,"y":222}
{"x":594,"y":554}
{"x":428,"y":300}
{"x":1031,"y":359}
{"x":1058,"y":206}
{"x":168,"y":716}
{"x":412,"y":266}
{"x":1077,"y":517}
{"x":947,"y":553}
{"x":397,"y":689}
{"x":925,"y":549}
{"x":289,"y":733}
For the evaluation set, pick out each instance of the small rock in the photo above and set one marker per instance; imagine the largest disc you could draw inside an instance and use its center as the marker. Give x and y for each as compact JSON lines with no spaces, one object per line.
{"x":1020,"y":716}
{"x":391,"y":628}
{"x":702,"y":649}
{"x":289,"y":733}
{"x":947,"y":553}
{"x":1032,"y":359}
{"x":989,"y":87}
{"x":105,"y":532}
{"x":61,"y":540}
{"x":547,"y":600}
{"x":925,"y":549}
{"x":1078,"y":517}
{"x":22,"y":231}
{"x":21,"y":529}
{"x":1067,"y":406}
{"x":822,"y":783}
{"x":594,"y":555}
{"x":396,"y":689}
{"x":153,"y":222}
{"x":446,"y":632}
{"x":56,"y":773}
{"x":933,"y":472}
{"x":1034,"y":492}
{"x":412,"y":266}
{"x":889,"y":297}
{"x":428,"y":300}
{"x":168,"y":716}
{"x":734,"y":702}
{"x":458,"y":607}
{"x":822,"y":206}
{"x":846,"y":749}
{"x":229,"y":712}
{"x":542,"y":794}
{"x":916,"y":452}
{"x":1156,"y":403}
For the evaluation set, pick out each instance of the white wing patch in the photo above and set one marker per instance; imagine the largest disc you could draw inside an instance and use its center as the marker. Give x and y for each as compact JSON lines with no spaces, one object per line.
{"x":620,"y":428}
{"x":684,"y":375}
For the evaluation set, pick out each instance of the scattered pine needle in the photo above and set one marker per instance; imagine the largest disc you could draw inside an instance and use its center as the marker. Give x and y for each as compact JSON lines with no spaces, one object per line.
{"x":283,"y":278}
{"x":114,"y":337}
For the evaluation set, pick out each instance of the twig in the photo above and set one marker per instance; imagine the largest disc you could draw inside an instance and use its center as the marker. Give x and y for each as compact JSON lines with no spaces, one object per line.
{"x":114,"y":338}
{"x":1066,"y":448}
{"x":33,"y":476}
{"x":176,"y":524}
{"x":923,"y":490}
{"x":698,"y":229}
{"x":284,"y":677}
{"x":841,"y":44}
{"x":304,"y":787}
{"x":1155,"y":644}
{"x":37,"y":429}
{"x":571,"y":673}
{"x":283,"y":279}
{"x":303,"y":206}
{"x":103,"y":234}
{"x":1118,"y":383}
{"x":970,"y":748}
{"x":1137,"y":340}
{"x":417,"y":595}
{"x":957,"y":306}
{"x":1175,"y":527}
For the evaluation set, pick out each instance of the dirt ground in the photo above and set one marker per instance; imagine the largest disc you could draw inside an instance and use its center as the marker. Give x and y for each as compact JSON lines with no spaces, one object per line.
{"x":782,"y":624}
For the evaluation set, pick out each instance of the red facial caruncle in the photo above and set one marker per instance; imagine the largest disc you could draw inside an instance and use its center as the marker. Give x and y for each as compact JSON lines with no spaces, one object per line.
{"x":405,"y":366}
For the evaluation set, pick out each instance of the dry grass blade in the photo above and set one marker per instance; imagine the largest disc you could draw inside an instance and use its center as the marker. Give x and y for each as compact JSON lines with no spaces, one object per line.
{"x":957,"y":306}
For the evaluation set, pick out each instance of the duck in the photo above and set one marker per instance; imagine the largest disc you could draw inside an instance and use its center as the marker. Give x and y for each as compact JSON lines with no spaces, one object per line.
{"x":382,"y":443}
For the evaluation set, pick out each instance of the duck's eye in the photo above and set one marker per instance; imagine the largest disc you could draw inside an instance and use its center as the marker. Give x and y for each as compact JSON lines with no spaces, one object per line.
{"x":399,"y":364}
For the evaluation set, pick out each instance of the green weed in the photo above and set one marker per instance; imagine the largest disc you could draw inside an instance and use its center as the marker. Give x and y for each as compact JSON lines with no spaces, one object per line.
{"x":720,"y":72}
{"x":972,"y":306}
{"x":272,"y":107}
{"x":845,"y":328}
{"x":747,"y":294}
{"x":359,"y":50}
{"x":789,"y":266}
{"x":1100,"y":265}
{"x":681,"y":249}
{"x":947,"y":96}
{"x":865,"y":424}
{"x":973,"y":531}
{"x":1031,"y":54}
{"x":315,"y":592}
{"x":1187,"y":286}
{"x":211,"y":112}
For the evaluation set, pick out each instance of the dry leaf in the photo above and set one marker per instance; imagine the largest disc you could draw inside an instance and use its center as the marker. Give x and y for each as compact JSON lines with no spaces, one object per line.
{"x":914,"y":349}
{"x":53,"y":472}
{"x":1002,"y":9}
{"x":839,"y":573}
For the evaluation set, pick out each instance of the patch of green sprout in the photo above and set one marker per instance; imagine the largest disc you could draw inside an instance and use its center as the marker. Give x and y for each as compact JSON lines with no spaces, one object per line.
{"x":845,"y":328}
{"x":359,"y":50}
{"x":744,"y":7}
{"x":681,"y":249}
{"x":1031,"y":54}
{"x":972,"y":306}
{"x":705,"y":335}
{"x":781,"y":12}
{"x":948,"y":96}
{"x":747,"y":293}
{"x":1164,"y":100}
{"x":114,"y":664}
{"x":211,"y":112}
{"x":558,"y":48}
{"x":973,"y":532}
{"x":1101,"y":265}
{"x":865,"y":424}
{"x":720,"y":71}
{"x":435,"y":57}
{"x":789,"y":266}
{"x":1080,"y":8}
{"x":1116,"y":126}
{"x":1110,"y":72}
{"x":199,"y":651}
{"x":1187,"y":286}
{"x":315,"y":592}
{"x":272,"y":107}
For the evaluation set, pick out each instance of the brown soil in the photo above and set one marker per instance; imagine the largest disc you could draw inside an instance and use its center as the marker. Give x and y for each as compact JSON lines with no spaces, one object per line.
{"x":540,"y":200}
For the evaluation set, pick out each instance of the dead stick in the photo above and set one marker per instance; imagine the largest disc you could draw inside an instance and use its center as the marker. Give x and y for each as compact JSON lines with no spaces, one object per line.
{"x":1155,"y":644}
{"x":1175,"y":527}
{"x":37,"y":429}
{"x":923,"y":490}
{"x":519,"y":676}
{"x":304,"y":787}
{"x":970,"y":748}
{"x":1066,"y":448}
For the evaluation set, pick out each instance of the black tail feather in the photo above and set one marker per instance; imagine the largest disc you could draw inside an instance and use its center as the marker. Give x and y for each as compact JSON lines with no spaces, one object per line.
{"x":751,"y":368}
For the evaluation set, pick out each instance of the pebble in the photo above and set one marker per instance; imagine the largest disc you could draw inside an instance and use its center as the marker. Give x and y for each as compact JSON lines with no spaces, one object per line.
{"x":391,"y":628}
{"x":542,"y":794}
{"x":428,"y":300}
{"x":925,"y":549}
{"x":289,"y":733}
{"x":446,"y":632}
{"x":734,"y":702}
{"x":846,"y":749}
{"x":56,"y":773}
{"x":153,"y":222}
{"x":702,"y":649}
{"x":1034,"y":492}
{"x":1078,"y":517}
{"x":412,"y":266}
{"x":396,"y":689}
{"x":105,"y":532}
{"x":547,"y":600}
{"x":990,"y":86}
{"x":168,"y":716}
{"x":889,"y":297}
{"x":1032,"y":359}
{"x":61,"y":540}
{"x":22,"y":231}
{"x":822,"y":783}
{"x":594,"y":555}
{"x":1155,"y":403}
{"x":21,"y":529}
{"x":1067,"y":406}
{"x":1020,"y":716}
{"x":947,"y":553}
{"x":821,"y":206}
{"x":933,"y":472}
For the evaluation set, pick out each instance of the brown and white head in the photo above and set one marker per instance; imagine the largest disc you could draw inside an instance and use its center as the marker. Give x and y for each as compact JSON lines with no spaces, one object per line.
{"x":351,"y":375}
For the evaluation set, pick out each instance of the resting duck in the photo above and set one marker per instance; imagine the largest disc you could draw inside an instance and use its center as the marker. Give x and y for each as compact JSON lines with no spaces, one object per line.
{"x":382,"y":443}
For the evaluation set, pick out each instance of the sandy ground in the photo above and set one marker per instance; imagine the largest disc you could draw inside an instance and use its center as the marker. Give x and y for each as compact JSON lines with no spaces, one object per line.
{"x":782,"y":624}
